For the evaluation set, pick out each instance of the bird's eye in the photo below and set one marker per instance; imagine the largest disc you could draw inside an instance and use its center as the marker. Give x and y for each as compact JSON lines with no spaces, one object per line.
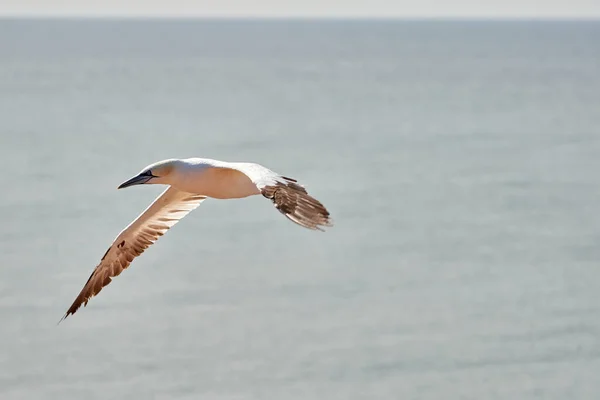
{"x":147,"y":173}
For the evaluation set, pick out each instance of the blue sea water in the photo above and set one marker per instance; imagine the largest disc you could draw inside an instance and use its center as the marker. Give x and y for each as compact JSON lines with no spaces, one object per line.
{"x":459,"y":160}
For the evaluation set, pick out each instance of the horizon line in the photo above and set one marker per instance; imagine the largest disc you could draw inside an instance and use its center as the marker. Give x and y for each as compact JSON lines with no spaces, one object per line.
{"x":150,"y":17}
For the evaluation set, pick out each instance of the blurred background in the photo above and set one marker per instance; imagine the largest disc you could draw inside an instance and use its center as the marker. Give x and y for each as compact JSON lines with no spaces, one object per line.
{"x":459,"y":160}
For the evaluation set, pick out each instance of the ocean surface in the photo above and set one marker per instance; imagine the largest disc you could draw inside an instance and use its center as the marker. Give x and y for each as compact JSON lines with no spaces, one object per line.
{"x":460,"y":161}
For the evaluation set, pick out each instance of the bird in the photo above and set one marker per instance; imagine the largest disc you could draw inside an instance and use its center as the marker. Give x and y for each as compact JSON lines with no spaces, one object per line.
{"x":191,"y":181}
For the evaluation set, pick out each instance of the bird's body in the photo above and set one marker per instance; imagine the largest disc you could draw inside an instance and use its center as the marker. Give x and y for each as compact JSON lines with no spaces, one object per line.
{"x":219,"y":179}
{"x":190,"y":182}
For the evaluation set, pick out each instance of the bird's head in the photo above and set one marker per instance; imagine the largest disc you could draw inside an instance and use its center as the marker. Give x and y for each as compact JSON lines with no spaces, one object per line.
{"x":160,"y":172}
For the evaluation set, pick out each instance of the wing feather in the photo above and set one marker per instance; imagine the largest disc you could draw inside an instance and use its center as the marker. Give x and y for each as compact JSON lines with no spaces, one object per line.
{"x":288,"y":196}
{"x":168,"y":208}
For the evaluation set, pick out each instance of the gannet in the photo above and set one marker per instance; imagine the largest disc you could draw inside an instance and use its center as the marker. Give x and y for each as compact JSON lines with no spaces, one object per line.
{"x":190,"y":182}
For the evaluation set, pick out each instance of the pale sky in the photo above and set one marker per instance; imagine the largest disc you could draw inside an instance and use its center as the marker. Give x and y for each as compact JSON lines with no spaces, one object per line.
{"x":305,"y":8}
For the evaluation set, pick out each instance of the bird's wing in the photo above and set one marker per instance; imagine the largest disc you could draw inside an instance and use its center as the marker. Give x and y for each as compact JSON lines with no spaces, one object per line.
{"x":168,"y":208}
{"x":289,"y":197}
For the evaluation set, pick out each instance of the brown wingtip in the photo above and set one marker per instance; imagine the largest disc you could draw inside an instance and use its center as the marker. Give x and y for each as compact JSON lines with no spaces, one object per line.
{"x":293,"y":201}
{"x":70,"y":311}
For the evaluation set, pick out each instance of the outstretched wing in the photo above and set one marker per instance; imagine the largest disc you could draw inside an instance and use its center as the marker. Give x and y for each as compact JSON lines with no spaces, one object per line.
{"x":168,"y":208}
{"x":289,"y":197}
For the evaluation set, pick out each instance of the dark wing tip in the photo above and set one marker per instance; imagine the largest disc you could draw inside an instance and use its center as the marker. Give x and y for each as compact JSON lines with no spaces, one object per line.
{"x":70,"y":311}
{"x":293,"y":201}
{"x":92,"y":287}
{"x":76,"y":304}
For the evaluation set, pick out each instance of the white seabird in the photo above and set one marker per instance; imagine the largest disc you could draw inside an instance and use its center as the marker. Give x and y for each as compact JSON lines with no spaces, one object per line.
{"x":190,"y":182}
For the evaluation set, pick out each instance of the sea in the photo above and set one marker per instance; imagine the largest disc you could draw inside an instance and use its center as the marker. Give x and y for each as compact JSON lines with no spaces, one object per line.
{"x":460,"y":161}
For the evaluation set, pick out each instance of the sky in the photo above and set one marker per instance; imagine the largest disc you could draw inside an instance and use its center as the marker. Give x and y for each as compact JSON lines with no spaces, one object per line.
{"x":305,"y":8}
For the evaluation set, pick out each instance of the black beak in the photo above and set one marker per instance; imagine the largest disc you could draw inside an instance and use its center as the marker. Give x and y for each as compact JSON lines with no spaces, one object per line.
{"x":136,"y":180}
